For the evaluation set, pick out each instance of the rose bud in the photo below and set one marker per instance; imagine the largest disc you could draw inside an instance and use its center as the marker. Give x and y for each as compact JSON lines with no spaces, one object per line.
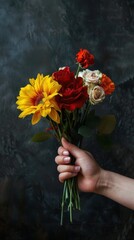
{"x":96,"y":94}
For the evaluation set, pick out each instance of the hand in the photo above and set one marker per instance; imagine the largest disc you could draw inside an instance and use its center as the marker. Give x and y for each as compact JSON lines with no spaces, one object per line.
{"x":91,"y":177}
{"x":85,"y":167}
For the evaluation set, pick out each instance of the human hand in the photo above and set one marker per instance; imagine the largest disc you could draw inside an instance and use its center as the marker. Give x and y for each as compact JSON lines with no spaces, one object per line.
{"x":86,"y":168}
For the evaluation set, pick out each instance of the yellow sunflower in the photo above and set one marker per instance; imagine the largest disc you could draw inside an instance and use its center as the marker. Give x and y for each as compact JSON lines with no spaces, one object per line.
{"x":38,"y":98}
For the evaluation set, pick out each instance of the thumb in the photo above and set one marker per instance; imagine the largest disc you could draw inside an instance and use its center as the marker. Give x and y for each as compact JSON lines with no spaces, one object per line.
{"x":75,"y":151}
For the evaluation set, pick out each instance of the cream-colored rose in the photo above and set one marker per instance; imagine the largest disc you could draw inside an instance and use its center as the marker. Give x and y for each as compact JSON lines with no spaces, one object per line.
{"x":96,"y":94}
{"x":90,"y":76}
{"x":62,"y":68}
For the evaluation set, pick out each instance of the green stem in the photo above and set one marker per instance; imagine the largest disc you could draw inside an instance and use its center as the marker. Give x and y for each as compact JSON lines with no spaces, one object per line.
{"x":69,"y":120}
{"x":70,"y":195}
{"x":63,"y":202}
{"x":78,"y":69}
{"x":85,"y":112}
{"x":59,"y":132}
{"x":70,"y":183}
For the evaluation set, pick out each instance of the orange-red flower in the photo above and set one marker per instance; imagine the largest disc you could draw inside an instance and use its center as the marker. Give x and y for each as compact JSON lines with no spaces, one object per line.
{"x":107,"y":84}
{"x":85,"y":58}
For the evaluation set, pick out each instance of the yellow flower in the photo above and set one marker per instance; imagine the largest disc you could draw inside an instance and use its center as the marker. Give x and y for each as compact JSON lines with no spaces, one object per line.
{"x":38,"y":98}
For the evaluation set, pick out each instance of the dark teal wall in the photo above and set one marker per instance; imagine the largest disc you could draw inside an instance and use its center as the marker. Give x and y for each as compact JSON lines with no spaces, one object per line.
{"x":40,"y":36}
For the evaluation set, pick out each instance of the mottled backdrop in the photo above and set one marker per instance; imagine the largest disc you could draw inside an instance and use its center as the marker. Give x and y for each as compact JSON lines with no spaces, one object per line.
{"x":39,"y":36}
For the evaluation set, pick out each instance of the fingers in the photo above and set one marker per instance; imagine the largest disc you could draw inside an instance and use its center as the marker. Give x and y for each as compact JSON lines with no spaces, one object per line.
{"x":62,"y":159}
{"x":68,"y":148}
{"x":66,"y":175}
{"x":68,"y":168}
{"x":63,"y":151}
{"x":67,"y":171}
{"x":74,"y":150}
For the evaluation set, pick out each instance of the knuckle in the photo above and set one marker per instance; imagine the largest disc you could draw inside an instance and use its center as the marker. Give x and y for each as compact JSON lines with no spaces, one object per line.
{"x":56,"y":159}
{"x":61,"y":178}
{"x":58,"y":168}
{"x":71,"y":169}
{"x":60,"y":149}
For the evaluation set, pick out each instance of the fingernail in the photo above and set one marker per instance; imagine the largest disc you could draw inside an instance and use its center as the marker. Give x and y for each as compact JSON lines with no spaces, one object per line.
{"x":67,"y":159}
{"x":65,"y":153}
{"x":77,"y":168}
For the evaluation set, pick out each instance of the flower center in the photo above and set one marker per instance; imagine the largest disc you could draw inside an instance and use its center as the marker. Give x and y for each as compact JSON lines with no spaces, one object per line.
{"x":37,"y":99}
{"x":97,"y":93}
{"x":93,"y":75}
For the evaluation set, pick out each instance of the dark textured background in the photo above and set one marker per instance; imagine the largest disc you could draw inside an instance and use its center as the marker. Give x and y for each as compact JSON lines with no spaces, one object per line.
{"x":39,"y":36}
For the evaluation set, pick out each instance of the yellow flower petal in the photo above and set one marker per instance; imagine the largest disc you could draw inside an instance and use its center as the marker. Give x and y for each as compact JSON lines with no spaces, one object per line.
{"x":36,"y":118}
{"x":27,"y":112}
{"x":27,"y":91}
{"x":24,"y":102}
{"x":54,"y":116}
{"x":54,"y":104}
{"x":32,"y":81}
{"x":38,"y":84}
{"x":45,"y":112}
{"x":38,"y":98}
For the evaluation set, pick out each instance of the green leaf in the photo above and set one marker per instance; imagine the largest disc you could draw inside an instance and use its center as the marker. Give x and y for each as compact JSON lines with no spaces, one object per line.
{"x":41,"y":137}
{"x":85,"y":131}
{"x":107,"y":124}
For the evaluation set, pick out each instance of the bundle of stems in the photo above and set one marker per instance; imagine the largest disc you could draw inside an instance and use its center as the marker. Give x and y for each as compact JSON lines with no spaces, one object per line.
{"x":68,"y":128}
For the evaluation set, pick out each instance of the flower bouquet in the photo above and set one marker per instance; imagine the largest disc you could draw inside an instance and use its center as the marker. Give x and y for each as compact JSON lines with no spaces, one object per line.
{"x":66,"y":99}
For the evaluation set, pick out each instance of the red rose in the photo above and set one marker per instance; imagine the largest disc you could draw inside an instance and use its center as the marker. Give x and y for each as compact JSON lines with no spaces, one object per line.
{"x":74,"y":94}
{"x":85,"y":58}
{"x":63,"y":76}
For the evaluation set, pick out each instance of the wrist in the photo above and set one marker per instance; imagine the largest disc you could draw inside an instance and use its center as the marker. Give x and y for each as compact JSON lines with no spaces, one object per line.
{"x":103,"y":182}
{"x":116,"y":187}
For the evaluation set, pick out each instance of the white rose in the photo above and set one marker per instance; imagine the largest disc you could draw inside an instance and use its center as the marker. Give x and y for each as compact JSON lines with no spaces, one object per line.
{"x":90,"y":76}
{"x":62,"y":68}
{"x":96,"y":94}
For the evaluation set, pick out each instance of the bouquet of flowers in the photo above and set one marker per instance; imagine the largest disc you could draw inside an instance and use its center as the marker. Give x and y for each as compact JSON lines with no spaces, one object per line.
{"x":66,"y":99}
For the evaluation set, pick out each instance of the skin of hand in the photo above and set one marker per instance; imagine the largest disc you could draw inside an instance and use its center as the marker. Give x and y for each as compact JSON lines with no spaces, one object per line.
{"x":86,"y":168}
{"x":91,"y":177}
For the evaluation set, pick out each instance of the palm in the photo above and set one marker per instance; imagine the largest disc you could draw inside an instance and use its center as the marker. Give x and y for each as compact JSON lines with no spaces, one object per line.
{"x":89,"y":174}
